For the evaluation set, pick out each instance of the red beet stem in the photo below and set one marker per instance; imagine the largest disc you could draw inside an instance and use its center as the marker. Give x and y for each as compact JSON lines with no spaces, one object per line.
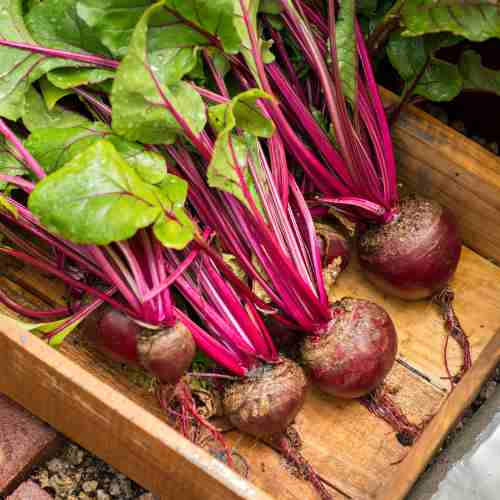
{"x":444,"y":300}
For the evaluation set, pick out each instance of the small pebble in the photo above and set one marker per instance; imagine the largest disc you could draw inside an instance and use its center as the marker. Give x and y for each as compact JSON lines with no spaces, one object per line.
{"x":55,"y":465}
{"x":114,"y":489}
{"x":488,"y":390}
{"x":89,"y":486}
{"x":102,"y":495}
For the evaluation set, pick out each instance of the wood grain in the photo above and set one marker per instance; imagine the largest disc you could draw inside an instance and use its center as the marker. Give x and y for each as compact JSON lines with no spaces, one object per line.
{"x":421,"y":453}
{"x":439,"y":162}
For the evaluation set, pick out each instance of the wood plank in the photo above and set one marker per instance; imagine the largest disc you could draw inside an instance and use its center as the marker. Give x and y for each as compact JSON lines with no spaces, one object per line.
{"x":420,"y":328}
{"x":110,"y":424}
{"x":400,"y":483}
{"x":437,"y":161}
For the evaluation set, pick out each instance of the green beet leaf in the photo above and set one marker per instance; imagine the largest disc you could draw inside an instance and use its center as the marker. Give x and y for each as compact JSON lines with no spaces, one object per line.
{"x":175,"y":229}
{"x":54,"y":147}
{"x":242,"y":112}
{"x":37,"y":116}
{"x":233,"y":152}
{"x":148,"y":75}
{"x":476,"y":76}
{"x":9,"y":164}
{"x":67,"y":78}
{"x":215,"y":17}
{"x":112,"y":21}
{"x":52,"y":94}
{"x":55,"y":24}
{"x":476,"y":20}
{"x":96,"y":198}
{"x":440,"y":80}
{"x":18,"y":68}
{"x":345,"y":40}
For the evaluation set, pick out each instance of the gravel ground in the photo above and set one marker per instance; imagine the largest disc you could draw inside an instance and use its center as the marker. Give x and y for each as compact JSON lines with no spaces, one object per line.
{"x":75,"y":474}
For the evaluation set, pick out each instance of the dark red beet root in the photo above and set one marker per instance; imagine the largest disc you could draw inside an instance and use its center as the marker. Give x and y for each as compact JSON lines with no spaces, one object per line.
{"x":355,"y":352}
{"x":414,"y":255}
{"x":334,"y":242}
{"x":166,"y":353}
{"x":267,"y":400}
{"x":115,"y":335}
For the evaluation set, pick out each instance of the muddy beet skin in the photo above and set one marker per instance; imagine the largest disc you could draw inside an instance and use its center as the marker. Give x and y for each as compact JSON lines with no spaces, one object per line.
{"x":416,"y":254}
{"x":267,"y":400}
{"x":355,"y":351}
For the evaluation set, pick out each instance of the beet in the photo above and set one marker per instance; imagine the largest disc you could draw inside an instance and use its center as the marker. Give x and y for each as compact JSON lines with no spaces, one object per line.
{"x":267,"y":400}
{"x":416,"y":254}
{"x":355,"y":351}
{"x":334,"y":242}
{"x":167,"y":353}
{"x":114,"y":334}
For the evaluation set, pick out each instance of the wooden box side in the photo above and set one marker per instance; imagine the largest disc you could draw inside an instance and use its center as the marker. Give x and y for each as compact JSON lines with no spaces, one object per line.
{"x":111,"y":425}
{"x":400,"y":483}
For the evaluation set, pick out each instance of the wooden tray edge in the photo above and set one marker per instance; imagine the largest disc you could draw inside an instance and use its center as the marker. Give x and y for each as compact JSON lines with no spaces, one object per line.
{"x":149,"y":449}
{"x":422,"y":452}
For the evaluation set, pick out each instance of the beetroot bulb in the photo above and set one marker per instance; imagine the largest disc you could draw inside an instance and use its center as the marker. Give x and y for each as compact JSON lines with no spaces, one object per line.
{"x":415,"y":254}
{"x":165,"y":352}
{"x":355,"y":352}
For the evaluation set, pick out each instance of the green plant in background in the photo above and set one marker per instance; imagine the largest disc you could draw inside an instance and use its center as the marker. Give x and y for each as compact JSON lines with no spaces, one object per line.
{"x":410,"y":33}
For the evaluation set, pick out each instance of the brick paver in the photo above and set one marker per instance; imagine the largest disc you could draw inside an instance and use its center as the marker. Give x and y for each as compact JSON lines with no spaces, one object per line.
{"x":29,"y":491}
{"x":25,"y":441}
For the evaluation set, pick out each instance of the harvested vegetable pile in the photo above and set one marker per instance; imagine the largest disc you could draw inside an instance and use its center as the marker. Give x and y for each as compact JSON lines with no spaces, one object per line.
{"x":188,"y":170}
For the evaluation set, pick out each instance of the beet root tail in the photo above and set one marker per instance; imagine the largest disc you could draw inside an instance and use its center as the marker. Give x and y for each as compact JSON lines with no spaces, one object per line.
{"x":189,"y":420}
{"x":283,"y":444}
{"x":444,"y":300}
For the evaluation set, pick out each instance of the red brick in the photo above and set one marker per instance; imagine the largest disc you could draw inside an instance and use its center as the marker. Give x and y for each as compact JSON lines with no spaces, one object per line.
{"x":25,"y":441}
{"x":29,"y":491}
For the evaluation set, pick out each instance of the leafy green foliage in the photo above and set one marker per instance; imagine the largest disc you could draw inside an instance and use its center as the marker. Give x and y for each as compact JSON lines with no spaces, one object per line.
{"x":38,"y":116}
{"x":345,"y":41}
{"x":54,"y":147}
{"x":476,"y":76}
{"x":425,"y":26}
{"x":95,"y":198}
{"x":414,"y":58}
{"x":215,"y":17}
{"x":475,"y":20}
{"x":232,"y":152}
{"x":67,"y":78}
{"x":112,"y":21}
{"x":51,"y":94}
{"x":242,"y":112}
{"x":55,"y":24}
{"x":9,"y":164}
{"x":19,"y":68}
{"x":98,"y":198}
{"x":149,"y":74}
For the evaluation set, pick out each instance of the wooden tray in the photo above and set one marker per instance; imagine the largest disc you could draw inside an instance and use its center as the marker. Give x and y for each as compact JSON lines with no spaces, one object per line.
{"x":88,"y":401}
